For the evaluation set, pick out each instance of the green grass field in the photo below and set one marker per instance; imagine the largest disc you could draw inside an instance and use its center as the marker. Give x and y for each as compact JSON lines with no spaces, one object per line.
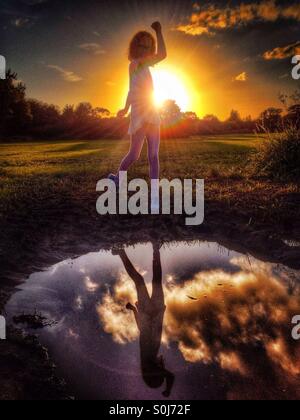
{"x":43,"y":181}
{"x":50,"y":170}
{"x":38,"y":168}
{"x":42,"y":171}
{"x":180,"y":157}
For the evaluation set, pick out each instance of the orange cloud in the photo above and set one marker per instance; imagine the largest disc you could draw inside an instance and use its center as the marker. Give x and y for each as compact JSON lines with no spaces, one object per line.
{"x":269,"y":11}
{"x":208,"y":20}
{"x":243,"y":77}
{"x":281,"y":53}
{"x":292,"y":12}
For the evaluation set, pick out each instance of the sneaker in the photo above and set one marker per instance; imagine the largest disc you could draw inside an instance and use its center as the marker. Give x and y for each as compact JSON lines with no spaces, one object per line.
{"x":114,"y":178}
{"x":155,"y":207}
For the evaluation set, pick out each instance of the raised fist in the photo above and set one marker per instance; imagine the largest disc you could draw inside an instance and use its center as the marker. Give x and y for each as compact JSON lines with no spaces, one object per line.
{"x":156,"y":26}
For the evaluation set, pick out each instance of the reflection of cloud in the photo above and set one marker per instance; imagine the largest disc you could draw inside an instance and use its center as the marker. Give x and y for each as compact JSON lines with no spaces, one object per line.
{"x":231,"y":361}
{"x":231,"y":313}
{"x":281,"y":53}
{"x":79,"y":303}
{"x":209,"y":19}
{"x":67,"y":75}
{"x":250,"y":308}
{"x":113,"y":314}
{"x":90,"y":285}
{"x":72,"y":334}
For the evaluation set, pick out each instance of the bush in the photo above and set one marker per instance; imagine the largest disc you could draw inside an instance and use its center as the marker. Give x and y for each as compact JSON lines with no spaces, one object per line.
{"x":278,"y":157}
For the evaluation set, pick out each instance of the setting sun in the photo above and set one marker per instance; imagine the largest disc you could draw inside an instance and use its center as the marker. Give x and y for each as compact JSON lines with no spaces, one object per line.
{"x":170,"y":86}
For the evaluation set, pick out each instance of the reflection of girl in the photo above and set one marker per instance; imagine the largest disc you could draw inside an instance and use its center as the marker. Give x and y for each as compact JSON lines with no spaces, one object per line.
{"x":145,"y":121}
{"x":149,"y":315}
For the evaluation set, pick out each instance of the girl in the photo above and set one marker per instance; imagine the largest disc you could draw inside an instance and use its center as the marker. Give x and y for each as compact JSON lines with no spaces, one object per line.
{"x":145,"y":120}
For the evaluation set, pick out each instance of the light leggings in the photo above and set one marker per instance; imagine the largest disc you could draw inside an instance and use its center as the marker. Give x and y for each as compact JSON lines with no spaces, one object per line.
{"x":150,"y":132}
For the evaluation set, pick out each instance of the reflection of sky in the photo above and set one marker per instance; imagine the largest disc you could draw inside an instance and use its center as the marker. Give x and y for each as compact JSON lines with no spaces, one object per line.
{"x":231,"y":340}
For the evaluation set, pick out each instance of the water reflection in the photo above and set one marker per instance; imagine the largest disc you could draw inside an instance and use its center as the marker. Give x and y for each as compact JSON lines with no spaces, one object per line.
{"x":221,"y":320}
{"x":149,"y":315}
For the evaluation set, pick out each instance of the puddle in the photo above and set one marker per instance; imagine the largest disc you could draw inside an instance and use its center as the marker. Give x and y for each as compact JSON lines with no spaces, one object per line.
{"x":220,"y":320}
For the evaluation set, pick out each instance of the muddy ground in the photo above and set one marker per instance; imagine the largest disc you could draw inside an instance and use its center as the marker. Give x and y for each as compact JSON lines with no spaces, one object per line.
{"x":26,"y":373}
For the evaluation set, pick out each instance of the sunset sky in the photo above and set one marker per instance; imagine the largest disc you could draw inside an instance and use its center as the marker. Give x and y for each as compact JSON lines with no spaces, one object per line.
{"x":222,"y":55}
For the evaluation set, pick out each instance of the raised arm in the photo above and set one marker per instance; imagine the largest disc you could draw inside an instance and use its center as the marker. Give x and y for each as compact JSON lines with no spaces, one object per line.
{"x":161,"y":53}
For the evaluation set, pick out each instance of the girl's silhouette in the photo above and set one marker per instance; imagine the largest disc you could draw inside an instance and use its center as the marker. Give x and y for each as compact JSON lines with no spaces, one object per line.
{"x":145,"y":119}
{"x":149,"y":315}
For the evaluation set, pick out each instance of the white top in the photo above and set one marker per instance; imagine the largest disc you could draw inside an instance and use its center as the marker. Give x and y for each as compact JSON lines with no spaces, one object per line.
{"x":141,"y":93}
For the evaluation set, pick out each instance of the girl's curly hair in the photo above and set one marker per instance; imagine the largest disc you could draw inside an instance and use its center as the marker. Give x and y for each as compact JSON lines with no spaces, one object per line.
{"x":141,"y":46}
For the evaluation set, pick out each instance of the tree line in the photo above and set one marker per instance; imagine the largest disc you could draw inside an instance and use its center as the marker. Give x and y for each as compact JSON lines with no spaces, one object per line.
{"x":25,"y":118}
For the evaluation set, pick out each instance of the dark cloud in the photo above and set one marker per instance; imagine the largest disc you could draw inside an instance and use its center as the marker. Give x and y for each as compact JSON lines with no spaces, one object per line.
{"x":29,"y":8}
{"x":22,"y":13}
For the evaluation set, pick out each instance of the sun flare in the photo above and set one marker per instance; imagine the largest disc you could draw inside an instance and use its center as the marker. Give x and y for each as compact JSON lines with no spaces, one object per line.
{"x":168,"y":85}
